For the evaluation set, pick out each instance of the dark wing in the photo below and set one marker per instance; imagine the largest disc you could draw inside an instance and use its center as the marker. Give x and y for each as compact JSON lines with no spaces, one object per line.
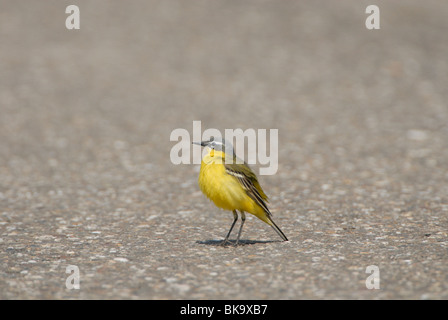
{"x":248,"y":180}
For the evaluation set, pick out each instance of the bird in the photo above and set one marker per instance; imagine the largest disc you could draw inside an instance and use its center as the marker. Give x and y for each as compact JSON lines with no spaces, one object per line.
{"x":231,"y":184}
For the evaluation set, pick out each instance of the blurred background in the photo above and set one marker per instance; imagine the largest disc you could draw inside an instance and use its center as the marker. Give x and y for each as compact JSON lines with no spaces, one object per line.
{"x":85,"y":123}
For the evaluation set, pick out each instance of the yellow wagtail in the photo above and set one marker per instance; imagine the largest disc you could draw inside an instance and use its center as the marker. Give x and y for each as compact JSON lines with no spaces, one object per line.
{"x":232,"y":185}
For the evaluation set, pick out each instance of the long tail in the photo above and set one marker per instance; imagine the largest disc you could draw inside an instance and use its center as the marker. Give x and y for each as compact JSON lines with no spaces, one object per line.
{"x":280,"y":232}
{"x":277,"y":229}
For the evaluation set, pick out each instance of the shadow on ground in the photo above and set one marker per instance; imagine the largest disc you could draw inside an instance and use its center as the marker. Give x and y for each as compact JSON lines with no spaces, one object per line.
{"x":220,"y":243}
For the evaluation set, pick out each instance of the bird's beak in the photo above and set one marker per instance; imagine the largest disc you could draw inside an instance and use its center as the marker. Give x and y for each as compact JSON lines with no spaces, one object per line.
{"x":203,"y":143}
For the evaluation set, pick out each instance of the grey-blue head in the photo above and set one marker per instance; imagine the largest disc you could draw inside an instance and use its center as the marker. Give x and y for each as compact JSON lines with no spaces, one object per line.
{"x":219,"y":144}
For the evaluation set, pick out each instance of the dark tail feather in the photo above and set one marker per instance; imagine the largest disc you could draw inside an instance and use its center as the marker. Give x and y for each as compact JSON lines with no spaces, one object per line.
{"x":277,"y":229}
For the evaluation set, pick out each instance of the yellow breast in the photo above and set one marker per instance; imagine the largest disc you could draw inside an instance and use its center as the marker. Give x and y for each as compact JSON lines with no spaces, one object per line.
{"x":223,"y":189}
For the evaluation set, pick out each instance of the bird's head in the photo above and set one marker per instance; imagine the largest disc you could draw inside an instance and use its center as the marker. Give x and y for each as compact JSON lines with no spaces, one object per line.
{"x":218,"y":144}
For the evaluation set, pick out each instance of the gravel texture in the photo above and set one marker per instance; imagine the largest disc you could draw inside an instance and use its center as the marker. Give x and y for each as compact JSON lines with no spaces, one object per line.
{"x":86,"y":177}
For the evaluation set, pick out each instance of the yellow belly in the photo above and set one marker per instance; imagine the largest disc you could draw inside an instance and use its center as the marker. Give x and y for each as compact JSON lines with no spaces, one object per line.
{"x":224,"y":190}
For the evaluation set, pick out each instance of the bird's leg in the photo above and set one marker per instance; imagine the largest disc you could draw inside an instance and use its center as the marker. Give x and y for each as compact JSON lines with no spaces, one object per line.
{"x":235,"y":218}
{"x":243,"y":219}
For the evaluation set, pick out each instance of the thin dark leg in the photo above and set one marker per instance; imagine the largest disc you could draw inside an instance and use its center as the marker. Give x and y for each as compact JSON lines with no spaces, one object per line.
{"x":243,"y":219}
{"x":235,"y":218}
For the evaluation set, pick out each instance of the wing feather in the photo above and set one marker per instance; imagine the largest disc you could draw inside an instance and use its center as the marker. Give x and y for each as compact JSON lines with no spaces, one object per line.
{"x":249,"y":182}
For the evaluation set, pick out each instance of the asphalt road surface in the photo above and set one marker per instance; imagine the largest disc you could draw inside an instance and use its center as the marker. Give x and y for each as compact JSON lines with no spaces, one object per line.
{"x":86,"y":178}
